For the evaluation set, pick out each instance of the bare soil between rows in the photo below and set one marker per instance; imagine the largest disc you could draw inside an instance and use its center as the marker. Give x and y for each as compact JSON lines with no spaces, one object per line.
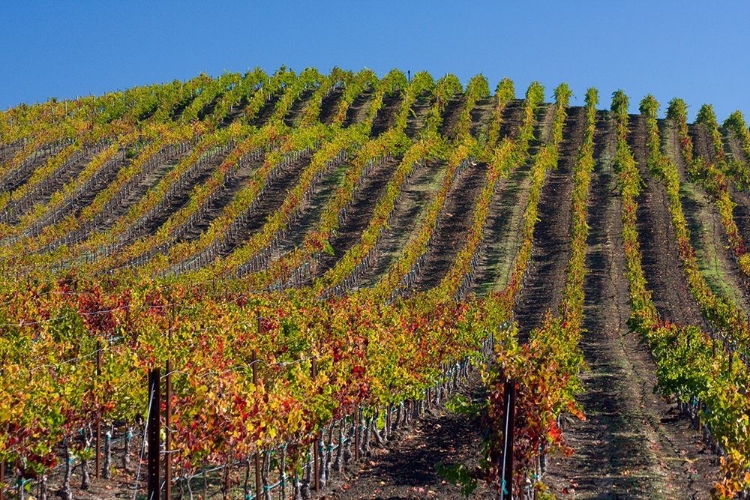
{"x":633,"y":443}
{"x":407,"y":467}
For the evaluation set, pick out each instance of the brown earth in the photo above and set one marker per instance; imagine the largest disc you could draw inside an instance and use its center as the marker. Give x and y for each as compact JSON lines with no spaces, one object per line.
{"x":633,"y":443}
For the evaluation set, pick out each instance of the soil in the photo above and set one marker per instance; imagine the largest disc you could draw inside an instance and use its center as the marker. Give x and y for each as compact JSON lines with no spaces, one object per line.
{"x":661,"y":259}
{"x":358,"y":109}
{"x":266,"y":111}
{"x":450,"y":233}
{"x":209,"y":107}
{"x":43,"y":190}
{"x":234,"y":112}
{"x":270,"y":200}
{"x":513,"y":116}
{"x":707,"y":234}
{"x":15,"y":178}
{"x":9,"y":150}
{"x":182,"y":195}
{"x":213,"y":209}
{"x":704,"y":149}
{"x":546,"y":274}
{"x":329,"y":105}
{"x":481,"y":116}
{"x":295,"y":110}
{"x":386,"y":116}
{"x":417,"y":115}
{"x":633,"y":443}
{"x":503,"y":228}
{"x":407,"y":212}
{"x":733,"y":148}
{"x":451,"y":114}
{"x":502,"y":232}
{"x":310,"y":210}
{"x":407,"y":467}
{"x":359,"y":213}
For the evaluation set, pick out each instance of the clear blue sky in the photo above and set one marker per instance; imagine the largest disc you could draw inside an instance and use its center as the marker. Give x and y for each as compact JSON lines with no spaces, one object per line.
{"x":699,"y":51}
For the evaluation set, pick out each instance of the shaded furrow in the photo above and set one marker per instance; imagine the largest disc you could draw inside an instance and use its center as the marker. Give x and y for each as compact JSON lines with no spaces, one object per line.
{"x":131,"y":193}
{"x":633,"y":443}
{"x":386,"y":116}
{"x":661,"y":259}
{"x":17,"y":177}
{"x":215,"y":205}
{"x":450,"y":233}
{"x":707,"y":234}
{"x":329,"y":105}
{"x":418,"y":114}
{"x":309,"y":211}
{"x":413,"y":198}
{"x":546,"y":275}
{"x":358,"y":109}
{"x":358,"y":215}
{"x":271,"y":199}
{"x":451,"y":115}
{"x":43,"y":191}
{"x":481,"y":116}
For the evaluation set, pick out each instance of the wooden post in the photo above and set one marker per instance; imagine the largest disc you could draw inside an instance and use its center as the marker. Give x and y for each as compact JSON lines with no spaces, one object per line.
{"x":387,"y":421}
{"x":257,"y":452}
{"x":153,"y":431}
{"x":356,"y":433}
{"x":508,"y":438}
{"x":316,"y":457}
{"x":168,"y":434}
{"x":98,"y":444}
{"x":2,"y":479}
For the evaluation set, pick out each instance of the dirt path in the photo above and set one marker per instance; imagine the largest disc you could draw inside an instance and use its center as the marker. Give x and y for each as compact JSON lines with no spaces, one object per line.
{"x":661,"y":262}
{"x":358,"y":109}
{"x":407,"y":468}
{"x":359,"y":213}
{"x":269,"y":201}
{"x":418,"y":114}
{"x":707,"y":233}
{"x":451,"y":115}
{"x":224,"y":195}
{"x":633,"y":443}
{"x":329,"y":105}
{"x":42,"y":192}
{"x":294,"y":113}
{"x":503,"y":228}
{"x":405,"y":217}
{"x":451,"y":231}
{"x":481,"y":116}
{"x":17,"y":177}
{"x":546,"y":276}
{"x":310,"y":210}
{"x":181,"y":196}
{"x":386,"y":116}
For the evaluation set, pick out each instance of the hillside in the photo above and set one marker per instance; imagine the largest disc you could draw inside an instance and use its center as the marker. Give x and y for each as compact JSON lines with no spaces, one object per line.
{"x":318,"y":258}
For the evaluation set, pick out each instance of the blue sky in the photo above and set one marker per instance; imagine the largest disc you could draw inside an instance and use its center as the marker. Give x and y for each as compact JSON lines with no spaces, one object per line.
{"x":699,"y":51}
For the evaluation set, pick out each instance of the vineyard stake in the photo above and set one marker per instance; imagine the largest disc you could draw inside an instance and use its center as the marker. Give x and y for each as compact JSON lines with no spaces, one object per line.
{"x":356,"y":433}
{"x":98,"y":416}
{"x":316,"y":465}
{"x":168,"y":436}
{"x":257,"y":452}
{"x":510,"y":411}
{"x":153,"y":432}
{"x":2,"y":478}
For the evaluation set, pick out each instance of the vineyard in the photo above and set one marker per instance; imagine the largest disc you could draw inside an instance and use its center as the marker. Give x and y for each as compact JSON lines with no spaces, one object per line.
{"x":239,"y":287}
